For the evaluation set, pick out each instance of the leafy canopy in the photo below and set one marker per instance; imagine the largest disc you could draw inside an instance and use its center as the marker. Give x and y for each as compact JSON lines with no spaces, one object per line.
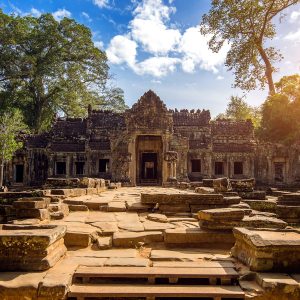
{"x":11,"y":124}
{"x":281,"y":111}
{"x":247,"y":25}
{"x":238,"y":109}
{"x":49,"y":67}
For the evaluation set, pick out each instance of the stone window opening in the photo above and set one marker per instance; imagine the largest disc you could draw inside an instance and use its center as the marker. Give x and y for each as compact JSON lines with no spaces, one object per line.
{"x":61,"y":168}
{"x":103,"y":165}
{"x":79,"y":167}
{"x":219,"y":168}
{"x":238,"y":168}
{"x":196,"y":165}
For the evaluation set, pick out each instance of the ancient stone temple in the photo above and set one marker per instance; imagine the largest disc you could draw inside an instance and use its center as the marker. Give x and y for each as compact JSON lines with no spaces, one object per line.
{"x":151,"y":145}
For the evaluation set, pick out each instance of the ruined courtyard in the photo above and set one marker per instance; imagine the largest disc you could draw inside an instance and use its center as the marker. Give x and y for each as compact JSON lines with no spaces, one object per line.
{"x":198,"y":240}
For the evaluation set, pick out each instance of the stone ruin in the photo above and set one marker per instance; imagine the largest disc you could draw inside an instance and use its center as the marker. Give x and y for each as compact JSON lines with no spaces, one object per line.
{"x":151,"y":145}
{"x":90,"y":238}
{"x":150,"y":204}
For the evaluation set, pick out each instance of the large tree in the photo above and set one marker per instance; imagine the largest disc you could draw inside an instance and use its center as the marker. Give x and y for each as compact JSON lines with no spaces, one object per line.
{"x":11,"y":124}
{"x":247,"y":25}
{"x":50,"y":68}
{"x":281,"y":111}
{"x":238,"y":109}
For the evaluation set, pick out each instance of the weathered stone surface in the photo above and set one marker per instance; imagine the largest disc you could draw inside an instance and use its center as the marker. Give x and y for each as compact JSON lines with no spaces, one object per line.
{"x":115,"y":206}
{"x":198,"y":237}
{"x":204,"y":190}
{"x":21,"y":204}
{"x":158,"y":218}
{"x":106,"y":228}
{"x":78,"y":207}
{"x":221,"y":185}
{"x":137,"y":206}
{"x":256,"y":195}
{"x":100,"y":217}
{"x":181,"y":255}
{"x":31,"y":248}
{"x":132,"y":239}
{"x":231,"y":214}
{"x":242,"y":205}
{"x":180,"y":198}
{"x":262,"y":205}
{"x":33,"y":213}
{"x":104,"y":242}
{"x":168,"y":208}
{"x":131,"y":226}
{"x":157,"y":226}
{"x":126,"y":262}
{"x":242,"y":185}
{"x":290,"y":214}
{"x":268,"y":250}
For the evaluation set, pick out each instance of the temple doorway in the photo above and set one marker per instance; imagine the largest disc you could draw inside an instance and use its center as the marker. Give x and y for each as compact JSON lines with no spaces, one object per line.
{"x":149,"y":160}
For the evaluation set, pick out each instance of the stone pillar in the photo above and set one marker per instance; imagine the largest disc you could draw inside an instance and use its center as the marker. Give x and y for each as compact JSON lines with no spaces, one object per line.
{"x":171,"y":157}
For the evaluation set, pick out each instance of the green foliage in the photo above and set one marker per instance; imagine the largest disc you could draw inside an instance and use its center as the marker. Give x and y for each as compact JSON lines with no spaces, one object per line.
{"x":239,"y":109}
{"x":11,"y":124}
{"x":49,"y":67}
{"x":247,"y":25}
{"x":281,"y":111}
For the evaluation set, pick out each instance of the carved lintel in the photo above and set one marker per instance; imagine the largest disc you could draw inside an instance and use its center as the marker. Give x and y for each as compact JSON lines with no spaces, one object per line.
{"x":171,"y":156}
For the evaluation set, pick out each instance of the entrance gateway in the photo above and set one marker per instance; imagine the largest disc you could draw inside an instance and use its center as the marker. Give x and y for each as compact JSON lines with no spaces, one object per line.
{"x":149,"y":160}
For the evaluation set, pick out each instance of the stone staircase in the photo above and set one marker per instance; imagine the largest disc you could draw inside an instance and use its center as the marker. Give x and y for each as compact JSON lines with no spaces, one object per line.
{"x":210,"y":281}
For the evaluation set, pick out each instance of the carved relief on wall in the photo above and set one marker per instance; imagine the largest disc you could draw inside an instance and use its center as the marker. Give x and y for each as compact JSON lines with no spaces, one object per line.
{"x":149,"y":113}
{"x":171,"y":156}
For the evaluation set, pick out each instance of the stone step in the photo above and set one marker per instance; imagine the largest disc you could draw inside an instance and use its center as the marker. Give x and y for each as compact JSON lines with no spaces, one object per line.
{"x":133,"y":239}
{"x":81,"y":292}
{"x":212,"y":275}
{"x":198,"y":237}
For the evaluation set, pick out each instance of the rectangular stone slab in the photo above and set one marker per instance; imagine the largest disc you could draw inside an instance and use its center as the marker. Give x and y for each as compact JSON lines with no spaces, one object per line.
{"x":232,"y":214}
{"x":182,"y":198}
{"x":174,"y":291}
{"x":39,"y":237}
{"x":268,"y":250}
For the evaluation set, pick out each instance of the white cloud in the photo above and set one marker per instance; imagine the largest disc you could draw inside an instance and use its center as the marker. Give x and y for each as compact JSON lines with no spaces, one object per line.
{"x":99,"y":44}
{"x":220,"y":77}
{"x":196,"y":53}
{"x":295,"y":15}
{"x":35,"y":12}
{"x":61,"y":13}
{"x":86,"y":16}
{"x":101,"y":3}
{"x":163,"y":43}
{"x":293,"y":36}
{"x":122,"y":49}
{"x":148,"y":27}
{"x":157,"y":66}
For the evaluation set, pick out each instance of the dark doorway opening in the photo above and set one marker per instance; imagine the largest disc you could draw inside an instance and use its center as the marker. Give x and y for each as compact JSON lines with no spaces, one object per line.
{"x":279,"y":171}
{"x":79,"y":165}
{"x":219,"y":168}
{"x":61,"y":168}
{"x":103,"y":165}
{"x":19,"y":173}
{"x":238,"y":168}
{"x":149,"y":166}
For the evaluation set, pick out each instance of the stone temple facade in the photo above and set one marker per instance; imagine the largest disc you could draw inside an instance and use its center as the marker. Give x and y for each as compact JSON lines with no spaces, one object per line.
{"x":152,"y":145}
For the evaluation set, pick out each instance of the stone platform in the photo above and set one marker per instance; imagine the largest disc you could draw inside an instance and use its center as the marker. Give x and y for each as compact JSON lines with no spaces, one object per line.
{"x":268,"y":250}
{"x":31,"y":248}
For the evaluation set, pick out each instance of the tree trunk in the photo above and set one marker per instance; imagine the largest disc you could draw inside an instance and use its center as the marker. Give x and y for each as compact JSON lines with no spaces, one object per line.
{"x":1,"y":172}
{"x":269,"y":70}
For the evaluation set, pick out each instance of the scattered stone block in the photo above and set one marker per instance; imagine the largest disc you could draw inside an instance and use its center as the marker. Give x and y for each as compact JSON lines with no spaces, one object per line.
{"x":157,"y":226}
{"x":204,"y":190}
{"x":242,"y":185}
{"x":79,"y":207}
{"x":268,"y":250}
{"x":31,"y":248}
{"x":262,"y":205}
{"x":277,"y":280}
{"x":33,"y":213}
{"x":104,"y":242}
{"x":106,"y":228}
{"x":255,"y":195}
{"x":223,"y":214}
{"x":290,"y":214}
{"x":166,"y":208}
{"x":221,"y":185}
{"x":158,"y":218}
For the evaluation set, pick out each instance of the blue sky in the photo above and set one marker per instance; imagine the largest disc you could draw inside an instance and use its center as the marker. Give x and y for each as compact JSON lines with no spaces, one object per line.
{"x":156,"y":44}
